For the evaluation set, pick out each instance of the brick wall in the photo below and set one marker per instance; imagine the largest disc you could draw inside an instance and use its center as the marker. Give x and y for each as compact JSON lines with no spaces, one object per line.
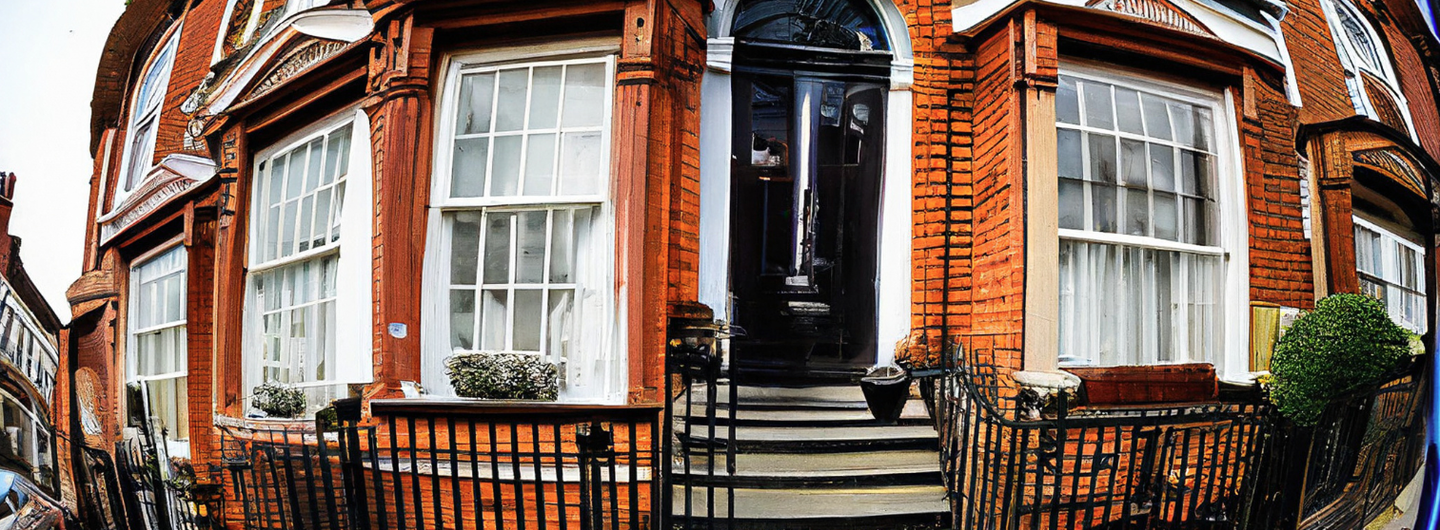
{"x":1318,"y":71}
{"x":1280,"y":261}
{"x":1415,"y":84}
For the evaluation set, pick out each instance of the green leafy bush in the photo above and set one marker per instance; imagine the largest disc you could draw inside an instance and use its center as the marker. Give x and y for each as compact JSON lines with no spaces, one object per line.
{"x":279,"y":400}
{"x":503,"y":376}
{"x":1347,"y":342}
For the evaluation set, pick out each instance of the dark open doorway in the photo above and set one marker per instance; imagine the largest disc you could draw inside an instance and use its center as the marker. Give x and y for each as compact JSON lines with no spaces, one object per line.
{"x":809,"y":101}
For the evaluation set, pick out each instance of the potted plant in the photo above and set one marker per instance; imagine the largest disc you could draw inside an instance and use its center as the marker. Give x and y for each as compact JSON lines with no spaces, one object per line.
{"x":503,"y":376}
{"x":278,"y":400}
{"x":886,"y":390}
{"x":1348,"y":342}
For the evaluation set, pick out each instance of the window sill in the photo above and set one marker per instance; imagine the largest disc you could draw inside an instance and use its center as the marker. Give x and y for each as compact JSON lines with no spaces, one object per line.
{"x":266,"y":424}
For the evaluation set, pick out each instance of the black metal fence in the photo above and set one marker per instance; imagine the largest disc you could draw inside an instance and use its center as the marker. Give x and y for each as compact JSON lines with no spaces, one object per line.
{"x":700,"y":426}
{"x":159,"y":494}
{"x":439,"y":465}
{"x":1014,"y":462}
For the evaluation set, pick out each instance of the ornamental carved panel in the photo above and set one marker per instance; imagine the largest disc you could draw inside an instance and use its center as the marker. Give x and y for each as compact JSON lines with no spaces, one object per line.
{"x":1158,"y":12}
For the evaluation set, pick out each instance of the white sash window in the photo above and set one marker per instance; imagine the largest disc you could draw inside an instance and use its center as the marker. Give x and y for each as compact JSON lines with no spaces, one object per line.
{"x":522,"y":226}
{"x":1142,"y":258}
{"x":307,"y":311}
{"x":158,"y":359}
{"x":1391,"y":266}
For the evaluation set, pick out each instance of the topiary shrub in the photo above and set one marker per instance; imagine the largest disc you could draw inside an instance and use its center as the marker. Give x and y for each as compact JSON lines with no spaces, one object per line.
{"x":1347,"y":342}
{"x":279,"y":400}
{"x":503,"y":376}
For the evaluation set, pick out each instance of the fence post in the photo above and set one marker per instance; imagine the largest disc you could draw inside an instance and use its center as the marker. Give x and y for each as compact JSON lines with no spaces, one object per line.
{"x":352,"y":463}
{"x":597,"y":448}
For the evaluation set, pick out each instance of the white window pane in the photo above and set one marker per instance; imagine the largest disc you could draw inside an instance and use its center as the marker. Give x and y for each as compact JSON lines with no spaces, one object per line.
{"x":287,"y":229}
{"x":322,"y":218}
{"x":175,"y":298}
{"x":467,"y":168}
{"x":275,"y":186}
{"x":1162,"y":167}
{"x":1127,"y":109}
{"x":497,"y":248}
{"x":1103,"y":205}
{"x":1137,"y":212}
{"x":584,"y":95}
{"x":1133,"y":162}
{"x":1157,"y":118}
{"x":1197,"y":222}
{"x":307,"y":219}
{"x":493,"y":311}
{"x":339,"y":208}
{"x":540,"y":164}
{"x":337,"y":155}
{"x":510,"y":106}
{"x":272,"y":234}
{"x":1204,"y":137}
{"x":580,"y":164}
{"x":528,"y":314}
{"x":1183,"y":119}
{"x":312,"y":171}
{"x":530,"y":248}
{"x":1166,"y":217}
{"x":462,"y":319}
{"x":1195,"y":171}
{"x":464,"y":247}
{"x":1098,"y":111}
{"x":505,"y":170}
{"x":295,"y":170}
{"x":558,"y":322}
{"x":477,"y":92}
{"x":1072,"y":204}
{"x":1102,"y":157}
{"x":1067,"y":101}
{"x":1072,"y":162}
{"x":562,"y":259}
{"x":544,"y":97}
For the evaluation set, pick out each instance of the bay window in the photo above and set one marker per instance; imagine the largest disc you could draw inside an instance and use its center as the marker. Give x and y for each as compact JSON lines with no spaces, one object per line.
{"x":522,"y":226}
{"x":1142,"y":257}
{"x":302,"y":291}
{"x":1390,"y":262}
{"x":157,"y":362}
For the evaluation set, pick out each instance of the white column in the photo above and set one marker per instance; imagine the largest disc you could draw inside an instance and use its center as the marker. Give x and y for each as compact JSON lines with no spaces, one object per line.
{"x":715,"y":132}
{"x":892,"y":282}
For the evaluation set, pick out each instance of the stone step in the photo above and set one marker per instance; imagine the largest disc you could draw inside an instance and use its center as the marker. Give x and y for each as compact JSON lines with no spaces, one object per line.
{"x":914,"y":414}
{"x":815,"y":508}
{"x":856,"y":469}
{"x":822,"y":439}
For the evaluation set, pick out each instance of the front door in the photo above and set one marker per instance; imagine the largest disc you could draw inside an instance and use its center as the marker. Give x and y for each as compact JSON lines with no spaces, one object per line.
{"x":805,"y":196}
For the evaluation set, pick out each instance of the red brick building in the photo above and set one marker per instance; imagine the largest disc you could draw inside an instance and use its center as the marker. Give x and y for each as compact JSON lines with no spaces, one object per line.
{"x":340,"y":196}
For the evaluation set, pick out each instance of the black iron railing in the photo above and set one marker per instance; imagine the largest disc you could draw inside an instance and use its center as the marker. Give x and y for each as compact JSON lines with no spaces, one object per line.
{"x":1013,"y":461}
{"x":454,"y":464}
{"x":699,"y":430}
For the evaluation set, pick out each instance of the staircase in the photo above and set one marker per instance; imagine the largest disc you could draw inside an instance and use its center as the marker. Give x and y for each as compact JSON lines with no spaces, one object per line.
{"x":811,"y":457}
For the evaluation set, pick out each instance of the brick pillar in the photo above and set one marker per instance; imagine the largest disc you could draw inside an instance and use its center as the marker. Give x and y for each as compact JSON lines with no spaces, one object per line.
{"x":1333,"y":175}
{"x":399,"y":107}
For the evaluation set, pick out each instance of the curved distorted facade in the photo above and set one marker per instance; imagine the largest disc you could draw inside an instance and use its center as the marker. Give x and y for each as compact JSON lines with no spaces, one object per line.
{"x":357,"y":200}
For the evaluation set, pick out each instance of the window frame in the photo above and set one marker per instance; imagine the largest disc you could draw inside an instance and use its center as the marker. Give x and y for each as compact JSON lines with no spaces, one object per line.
{"x":132,"y":345}
{"x":1393,"y":239}
{"x":1354,"y":66}
{"x":435,"y":324}
{"x":136,"y":117}
{"x":1230,"y":221}
{"x":252,"y":325}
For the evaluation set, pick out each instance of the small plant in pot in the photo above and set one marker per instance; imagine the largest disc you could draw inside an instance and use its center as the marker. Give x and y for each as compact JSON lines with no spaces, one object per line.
{"x":503,"y":376}
{"x":278,"y":400}
{"x":1348,"y":342}
{"x":886,"y":390}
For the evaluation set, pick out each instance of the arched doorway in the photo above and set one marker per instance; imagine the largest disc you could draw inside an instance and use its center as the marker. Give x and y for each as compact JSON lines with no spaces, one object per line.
{"x":808,"y":90}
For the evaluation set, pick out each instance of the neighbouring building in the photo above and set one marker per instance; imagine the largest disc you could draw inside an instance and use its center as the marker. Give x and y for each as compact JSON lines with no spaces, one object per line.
{"x":30,"y":334}
{"x":346,"y":197}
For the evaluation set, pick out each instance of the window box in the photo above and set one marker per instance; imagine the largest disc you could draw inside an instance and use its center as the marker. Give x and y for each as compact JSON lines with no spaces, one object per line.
{"x":1120,"y":385}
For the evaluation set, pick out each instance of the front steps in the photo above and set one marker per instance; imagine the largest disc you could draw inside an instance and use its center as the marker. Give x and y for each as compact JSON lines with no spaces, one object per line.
{"x":810,"y":457}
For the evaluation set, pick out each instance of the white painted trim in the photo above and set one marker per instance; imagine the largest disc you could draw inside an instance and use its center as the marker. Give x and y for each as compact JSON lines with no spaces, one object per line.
{"x":1227,"y":27}
{"x":220,"y":33}
{"x":893,"y":287}
{"x":715,"y":158}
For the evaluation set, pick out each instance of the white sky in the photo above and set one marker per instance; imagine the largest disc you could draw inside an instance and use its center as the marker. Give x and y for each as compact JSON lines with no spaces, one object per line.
{"x":49,"y":50}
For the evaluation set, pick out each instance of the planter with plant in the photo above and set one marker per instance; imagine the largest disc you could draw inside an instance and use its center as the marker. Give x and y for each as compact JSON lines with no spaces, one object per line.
{"x":503,"y":376}
{"x":278,"y":400}
{"x":1348,"y":342}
